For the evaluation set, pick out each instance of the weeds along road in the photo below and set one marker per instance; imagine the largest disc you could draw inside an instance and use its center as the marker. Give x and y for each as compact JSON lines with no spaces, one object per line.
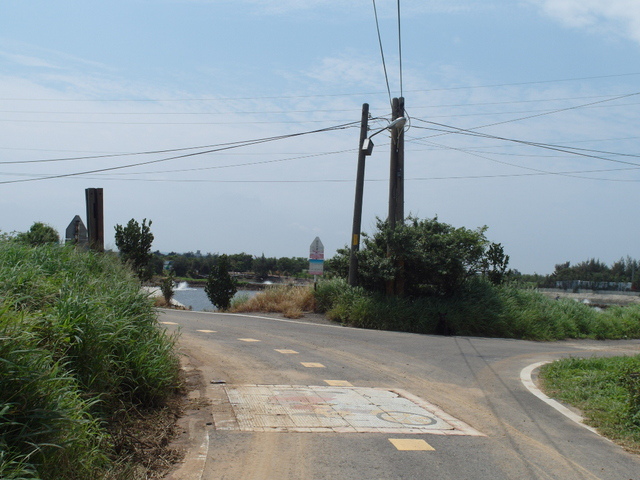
{"x":315,"y":401}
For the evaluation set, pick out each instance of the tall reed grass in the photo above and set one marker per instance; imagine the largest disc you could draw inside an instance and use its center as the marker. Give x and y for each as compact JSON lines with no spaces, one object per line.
{"x":78,"y":340}
{"x":291,"y":301}
{"x":480,"y":309}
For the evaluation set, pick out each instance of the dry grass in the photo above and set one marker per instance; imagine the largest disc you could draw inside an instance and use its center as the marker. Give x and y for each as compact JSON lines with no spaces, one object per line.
{"x":291,"y":301}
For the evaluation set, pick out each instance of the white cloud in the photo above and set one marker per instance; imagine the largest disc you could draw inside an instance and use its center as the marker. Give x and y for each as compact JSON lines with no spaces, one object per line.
{"x":619,"y":17}
{"x":26,"y":60}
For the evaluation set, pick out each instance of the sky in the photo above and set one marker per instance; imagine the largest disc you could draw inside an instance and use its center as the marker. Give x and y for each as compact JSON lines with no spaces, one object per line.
{"x":233,"y":125}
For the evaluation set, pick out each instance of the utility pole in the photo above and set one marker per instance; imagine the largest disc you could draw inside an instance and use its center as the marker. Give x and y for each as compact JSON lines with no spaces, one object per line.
{"x":357,"y":208}
{"x":396,"y":174}
{"x":396,"y":191}
{"x":95,"y":218}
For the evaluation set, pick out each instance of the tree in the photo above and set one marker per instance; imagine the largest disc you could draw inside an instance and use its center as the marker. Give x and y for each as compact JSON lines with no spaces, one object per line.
{"x":39,"y":234}
{"x":221,"y":287}
{"x":166,"y":287}
{"x":134,"y":242}
{"x":495,"y":264}
{"x":433,"y":258}
{"x":263,"y":266}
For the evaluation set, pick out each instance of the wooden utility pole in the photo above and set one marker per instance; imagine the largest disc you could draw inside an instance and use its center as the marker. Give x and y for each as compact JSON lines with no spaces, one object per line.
{"x":357,"y":208}
{"x":95,"y":218}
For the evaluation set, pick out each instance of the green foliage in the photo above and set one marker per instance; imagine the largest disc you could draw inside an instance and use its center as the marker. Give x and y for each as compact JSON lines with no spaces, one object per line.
{"x":197,"y":265}
{"x":606,"y":390}
{"x":221,"y":287}
{"x":593,"y":270}
{"x":166,"y":287}
{"x":44,"y":421}
{"x":38,"y":234}
{"x":134,"y":242}
{"x":77,"y":339}
{"x":429,"y":257}
{"x":263,"y":266}
{"x":479,"y":308}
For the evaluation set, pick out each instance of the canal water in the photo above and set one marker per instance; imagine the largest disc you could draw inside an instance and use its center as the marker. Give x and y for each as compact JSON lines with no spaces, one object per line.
{"x":196,"y":297}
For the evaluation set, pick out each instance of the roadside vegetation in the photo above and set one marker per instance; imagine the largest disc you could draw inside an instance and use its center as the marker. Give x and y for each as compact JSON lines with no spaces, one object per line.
{"x":426,"y":276}
{"x":606,"y":390}
{"x":80,"y":353}
{"x":479,"y":309}
{"x":291,"y":301}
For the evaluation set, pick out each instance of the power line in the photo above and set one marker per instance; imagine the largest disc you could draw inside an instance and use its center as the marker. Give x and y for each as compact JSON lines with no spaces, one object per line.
{"x":227,"y":147}
{"x":575,"y":107}
{"x":151,"y":152}
{"x":568,"y":173}
{"x":384,"y":65}
{"x":557,"y":148}
{"x":400,"y":47}
{"x":287,"y":112}
{"x":246,"y":164}
{"x":352,"y":94}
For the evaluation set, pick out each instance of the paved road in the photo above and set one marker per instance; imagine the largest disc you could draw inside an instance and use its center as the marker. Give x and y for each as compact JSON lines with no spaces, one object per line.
{"x":490,"y":427}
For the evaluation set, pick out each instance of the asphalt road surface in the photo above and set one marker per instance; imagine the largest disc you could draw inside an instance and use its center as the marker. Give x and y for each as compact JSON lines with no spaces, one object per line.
{"x":300,"y":400}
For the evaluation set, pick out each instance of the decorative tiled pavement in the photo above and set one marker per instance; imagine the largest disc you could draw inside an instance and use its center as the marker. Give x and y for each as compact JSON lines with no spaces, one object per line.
{"x":287,"y":408}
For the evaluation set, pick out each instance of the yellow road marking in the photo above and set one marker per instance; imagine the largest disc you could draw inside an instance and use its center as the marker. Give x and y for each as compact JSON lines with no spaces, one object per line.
{"x":338,"y":383}
{"x":285,"y":351}
{"x":206,"y":331}
{"x":312,"y":365}
{"x":248,"y":340}
{"x":169,"y":323}
{"x":405,"y":444}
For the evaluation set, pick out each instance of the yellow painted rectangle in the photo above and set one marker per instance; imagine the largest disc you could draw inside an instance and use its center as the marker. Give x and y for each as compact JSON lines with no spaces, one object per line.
{"x":312,"y":365}
{"x":168,"y":323}
{"x":406,"y":444}
{"x":338,"y":383}
{"x":285,"y":351}
{"x":248,"y":340}
{"x":206,"y":331}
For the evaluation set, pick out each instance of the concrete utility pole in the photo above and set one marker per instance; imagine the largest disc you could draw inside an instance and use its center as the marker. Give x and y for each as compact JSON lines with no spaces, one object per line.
{"x":396,"y":190}
{"x":95,"y":218}
{"x":396,"y":174}
{"x":357,"y":209}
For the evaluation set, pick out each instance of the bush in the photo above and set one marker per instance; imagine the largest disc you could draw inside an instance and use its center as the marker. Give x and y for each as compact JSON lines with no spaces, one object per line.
{"x":39,"y":234}
{"x":479,"y":308}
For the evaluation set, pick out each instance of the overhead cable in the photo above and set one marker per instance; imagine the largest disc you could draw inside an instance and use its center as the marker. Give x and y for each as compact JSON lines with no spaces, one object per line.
{"x":222,"y":148}
{"x":384,"y":65}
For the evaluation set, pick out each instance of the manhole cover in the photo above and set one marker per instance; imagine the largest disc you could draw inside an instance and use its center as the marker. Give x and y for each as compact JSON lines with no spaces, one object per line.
{"x":329,"y":409}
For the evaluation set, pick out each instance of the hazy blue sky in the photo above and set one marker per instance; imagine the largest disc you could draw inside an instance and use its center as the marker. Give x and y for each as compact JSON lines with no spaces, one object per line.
{"x":92,"y":78}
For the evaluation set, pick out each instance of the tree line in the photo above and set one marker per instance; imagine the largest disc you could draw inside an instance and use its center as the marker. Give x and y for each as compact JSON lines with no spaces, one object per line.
{"x":625,"y":270}
{"x":198,"y":265}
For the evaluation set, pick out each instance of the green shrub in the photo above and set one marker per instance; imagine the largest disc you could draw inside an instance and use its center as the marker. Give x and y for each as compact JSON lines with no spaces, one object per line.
{"x":479,"y":308}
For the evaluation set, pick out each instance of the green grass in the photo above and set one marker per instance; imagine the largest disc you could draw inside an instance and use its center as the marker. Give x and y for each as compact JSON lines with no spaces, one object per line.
{"x":606,"y":390}
{"x":479,"y":309}
{"x":79,"y":342}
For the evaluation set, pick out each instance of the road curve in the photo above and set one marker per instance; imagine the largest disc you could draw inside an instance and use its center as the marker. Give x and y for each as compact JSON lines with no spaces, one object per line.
{"x":463,"y":412}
